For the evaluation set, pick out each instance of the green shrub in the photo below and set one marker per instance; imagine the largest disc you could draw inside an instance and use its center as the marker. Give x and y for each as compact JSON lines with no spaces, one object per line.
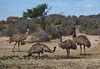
{"x":23,"y":42}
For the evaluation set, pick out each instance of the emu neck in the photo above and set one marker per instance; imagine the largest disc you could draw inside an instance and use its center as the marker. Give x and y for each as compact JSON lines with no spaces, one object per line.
{"x":27,"y":33}
{"x":53,"y":50}
{"x":74,"y":36}
{"x":60,"y":41}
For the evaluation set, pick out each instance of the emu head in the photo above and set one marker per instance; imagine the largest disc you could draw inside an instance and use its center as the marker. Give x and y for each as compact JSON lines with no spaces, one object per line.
{"x":74,"y":30}
{"x":54,"y":49}
{"x":49,"y":50}
{"x":46,"y":49}
{"x":27,"y":25}
{"x":60,"y":34}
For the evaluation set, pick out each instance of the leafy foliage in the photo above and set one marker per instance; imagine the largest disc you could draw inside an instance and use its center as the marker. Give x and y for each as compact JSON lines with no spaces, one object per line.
{"x":36,"y":12}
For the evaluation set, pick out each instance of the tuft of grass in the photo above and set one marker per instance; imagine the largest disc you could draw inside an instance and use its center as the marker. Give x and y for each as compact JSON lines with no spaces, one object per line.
{"x":26,"y":57}
{"x":8,"y":57}
{"x":3,"y":66}
{"x":18,"y":67}
{"x":20,"y":58}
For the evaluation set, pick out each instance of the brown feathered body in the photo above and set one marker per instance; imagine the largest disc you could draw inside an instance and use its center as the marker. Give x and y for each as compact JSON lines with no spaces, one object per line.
{"x":18,"y":37}
{"x":67,"y":44}
{"x":82,"y":40}
{"x":39,"y":48}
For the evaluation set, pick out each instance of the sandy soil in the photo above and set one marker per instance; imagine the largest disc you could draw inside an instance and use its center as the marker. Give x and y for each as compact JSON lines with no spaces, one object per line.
{"x":75,"y":61}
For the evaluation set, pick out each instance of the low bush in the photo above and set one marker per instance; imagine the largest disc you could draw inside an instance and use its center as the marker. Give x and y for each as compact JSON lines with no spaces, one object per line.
{"x":23,"y":42}
{"x":91,"y":28}
{"x":2,"y":27}
{"x":19,"y":27}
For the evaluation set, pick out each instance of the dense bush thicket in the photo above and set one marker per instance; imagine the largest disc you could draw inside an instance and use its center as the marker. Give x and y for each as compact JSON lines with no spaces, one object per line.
{"x":60,"y":23}
{"x":19,"y":26}
{"x":52,"y":31}
{"x":90,"y":24}
{"x":55,"y":23}
{"x":2,"y":27}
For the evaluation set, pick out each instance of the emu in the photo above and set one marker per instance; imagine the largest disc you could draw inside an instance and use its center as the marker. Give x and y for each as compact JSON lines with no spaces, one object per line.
{"x":67,"y":44}
{"x":81,"y":40}
{"x":40,"y":48}
{"x":18,"y":38}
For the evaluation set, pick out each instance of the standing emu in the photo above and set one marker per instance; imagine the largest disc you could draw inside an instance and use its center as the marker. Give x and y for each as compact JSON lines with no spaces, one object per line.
{"x":67,"y":44}
{"x":81,"y":40}
{"x":18,"y":38}
{"x":40,"y":48}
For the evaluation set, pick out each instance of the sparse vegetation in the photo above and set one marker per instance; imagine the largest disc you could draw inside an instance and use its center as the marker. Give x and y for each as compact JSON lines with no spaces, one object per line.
{"x":12,"y":57}
{"x":8,"y":57}
{"x":4,"y":66}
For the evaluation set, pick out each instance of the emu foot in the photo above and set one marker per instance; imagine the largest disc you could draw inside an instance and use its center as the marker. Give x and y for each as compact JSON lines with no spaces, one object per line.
{"x":45,"y":56}
{"x":13,"y":51}
{"x":19,"y":51}
{"x":68,"y":56}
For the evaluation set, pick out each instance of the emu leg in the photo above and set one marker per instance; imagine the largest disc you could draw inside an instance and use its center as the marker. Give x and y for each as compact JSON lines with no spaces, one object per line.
{"x":14,"y":47}
{"x":38,"y":54}
{"x":84,"y":50}
{"x":80,"y":50}
{"x":67,"y":52}
{"x":18,"y":46}
{"x":42,"y":51}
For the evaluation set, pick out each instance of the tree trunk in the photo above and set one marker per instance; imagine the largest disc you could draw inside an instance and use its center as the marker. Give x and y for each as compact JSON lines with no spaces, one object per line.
{"x":42,"y":23}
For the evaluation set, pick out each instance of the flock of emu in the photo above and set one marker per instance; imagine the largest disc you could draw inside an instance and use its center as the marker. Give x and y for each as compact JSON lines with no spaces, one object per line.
{"x":41,"y":48}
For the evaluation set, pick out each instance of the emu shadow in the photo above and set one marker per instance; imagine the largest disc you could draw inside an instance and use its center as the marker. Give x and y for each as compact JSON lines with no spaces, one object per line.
{"x":56,"y":57}
{"x":86,"y":54}
{"x":69,"y":57}
{"x":89,"y":54}
{"x":60,"y":57}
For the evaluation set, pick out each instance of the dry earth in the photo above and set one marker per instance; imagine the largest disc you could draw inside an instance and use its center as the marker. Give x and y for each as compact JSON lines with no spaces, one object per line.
{"x":75,"y":61}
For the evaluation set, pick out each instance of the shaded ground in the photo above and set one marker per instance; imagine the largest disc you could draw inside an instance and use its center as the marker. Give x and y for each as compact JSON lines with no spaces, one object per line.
{"x":57,"y":60}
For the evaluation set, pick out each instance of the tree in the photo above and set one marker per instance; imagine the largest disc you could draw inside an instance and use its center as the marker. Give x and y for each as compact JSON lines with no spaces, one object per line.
{"x":38,"y":12}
